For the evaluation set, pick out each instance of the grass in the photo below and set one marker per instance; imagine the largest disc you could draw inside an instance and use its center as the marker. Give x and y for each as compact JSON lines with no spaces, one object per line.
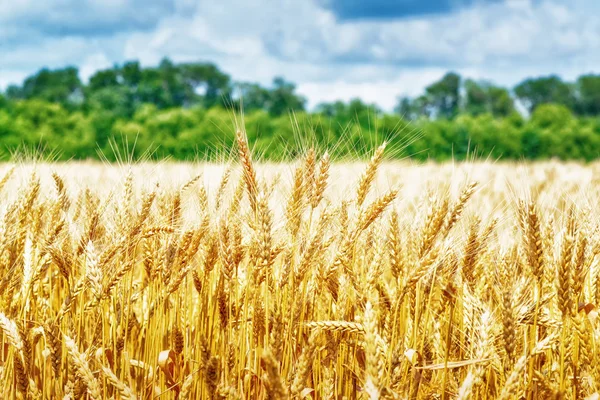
{"x":304,"y":280}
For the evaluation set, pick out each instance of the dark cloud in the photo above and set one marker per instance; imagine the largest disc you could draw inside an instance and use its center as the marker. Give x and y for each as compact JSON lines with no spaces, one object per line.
{"x":331,"y":48}
{"x":89,"y":18}
{"x":393,"y":9}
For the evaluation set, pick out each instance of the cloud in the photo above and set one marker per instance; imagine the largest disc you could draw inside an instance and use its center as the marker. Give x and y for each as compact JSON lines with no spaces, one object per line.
{"x":9,"y":77}
{"x":330,"y":56}
{"x":392,"y":9}
{"x":92,"y":63}
{"x":383,"y":91}
{"x":89,"y":18}
{"x":513,"y":33}
{"x":58,"y":52}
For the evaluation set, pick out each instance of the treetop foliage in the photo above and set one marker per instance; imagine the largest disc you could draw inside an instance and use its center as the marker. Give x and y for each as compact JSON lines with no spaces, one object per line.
{"x":185,"y":111}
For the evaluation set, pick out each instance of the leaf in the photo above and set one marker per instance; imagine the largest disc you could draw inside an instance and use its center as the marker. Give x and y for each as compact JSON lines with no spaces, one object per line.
{"x":167,"y":361}
{"x":412,"y":356}
{"x":306,"y":392}
{"x":590,"y":310}
{"x":453,"y":364}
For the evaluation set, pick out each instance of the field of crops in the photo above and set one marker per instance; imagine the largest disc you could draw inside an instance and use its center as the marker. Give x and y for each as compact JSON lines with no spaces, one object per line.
{"x":307,"y":280}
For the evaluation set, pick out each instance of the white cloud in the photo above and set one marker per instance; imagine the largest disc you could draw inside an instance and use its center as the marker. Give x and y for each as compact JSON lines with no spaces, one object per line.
{"x":92,"y":63}
{"x":8,"y":77}
{"x":328,"y":59}
{"x":86,"y":18}
{"x":383,"y":92}
{"x":56,"y":52}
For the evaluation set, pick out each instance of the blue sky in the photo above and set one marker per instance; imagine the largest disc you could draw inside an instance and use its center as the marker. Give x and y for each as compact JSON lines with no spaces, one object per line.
{"x":333,"y":49}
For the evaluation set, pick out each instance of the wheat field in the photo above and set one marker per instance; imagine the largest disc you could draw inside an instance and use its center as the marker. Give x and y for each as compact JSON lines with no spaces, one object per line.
{"x":310,"y":280}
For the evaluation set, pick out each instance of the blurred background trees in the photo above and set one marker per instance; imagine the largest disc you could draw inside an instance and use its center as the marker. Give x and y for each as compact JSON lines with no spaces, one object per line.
{"x":184,"y":110}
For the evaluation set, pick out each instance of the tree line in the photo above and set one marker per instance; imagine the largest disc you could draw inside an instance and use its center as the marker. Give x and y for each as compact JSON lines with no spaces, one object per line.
{"x":184,"y":110}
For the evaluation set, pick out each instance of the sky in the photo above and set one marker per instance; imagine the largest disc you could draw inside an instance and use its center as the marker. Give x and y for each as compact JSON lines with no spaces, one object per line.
{"x":377,"y":50}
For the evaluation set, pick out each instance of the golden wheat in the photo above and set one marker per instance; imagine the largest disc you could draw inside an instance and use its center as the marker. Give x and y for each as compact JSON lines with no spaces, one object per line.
{"x":313,"y":280}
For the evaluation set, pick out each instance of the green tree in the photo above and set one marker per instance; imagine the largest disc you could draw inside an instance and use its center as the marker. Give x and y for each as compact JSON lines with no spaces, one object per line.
{"x":404,"y":108}
{"x":476,"y":98}
{"x":501,"y":103}
{"x":550,"y":89}
{"x":484,"y":97}
{"x":552,"y":116}
{"x":251,"y":96}
{"x":108,"y":78}
{"x":422,"y":107}
{"x":283,"y":98}
{"x":14,"y":92}
{"x":131,"y":74}
{"x":58,"y":86}
{"x":444,"y":96}
{"x":551,"y":126}
{"x":355,"y":111}
{"x":168,"y":85}
{"x":332,"y":110}
{"x":105,"y":106}
{"x":588,"y":99}
{"x":206,"y":83}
